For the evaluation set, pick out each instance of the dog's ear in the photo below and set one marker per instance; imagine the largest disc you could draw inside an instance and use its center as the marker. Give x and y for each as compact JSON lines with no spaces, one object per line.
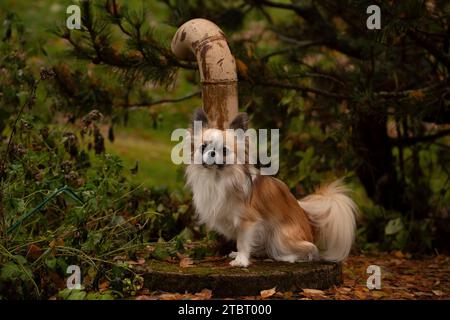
{"x":240,"y":122}
{"x":200,"y":115}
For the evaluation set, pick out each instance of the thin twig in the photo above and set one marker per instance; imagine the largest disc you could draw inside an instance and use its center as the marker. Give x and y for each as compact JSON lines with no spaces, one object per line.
{"x":304,"y":89}
{"x":414,"y":140}
{"x":404,"y":93}
{"x":162,"y":101}
{"x":299,"y":45}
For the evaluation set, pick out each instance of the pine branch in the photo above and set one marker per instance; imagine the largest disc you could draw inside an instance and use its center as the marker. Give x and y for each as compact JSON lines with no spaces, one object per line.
{"x":118,"y":18}
{"x":314,"y":17}
{"x":431,"y":48}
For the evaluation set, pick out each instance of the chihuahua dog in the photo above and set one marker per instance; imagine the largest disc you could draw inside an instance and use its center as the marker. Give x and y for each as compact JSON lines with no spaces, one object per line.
{"x":259,"y":212}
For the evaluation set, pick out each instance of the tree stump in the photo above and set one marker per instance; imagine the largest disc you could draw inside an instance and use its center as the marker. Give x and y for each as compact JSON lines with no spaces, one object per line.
{"x":227,"y":281}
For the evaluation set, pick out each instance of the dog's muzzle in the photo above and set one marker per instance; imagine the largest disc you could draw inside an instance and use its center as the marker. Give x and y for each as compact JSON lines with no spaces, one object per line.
{"x":210,"y":158}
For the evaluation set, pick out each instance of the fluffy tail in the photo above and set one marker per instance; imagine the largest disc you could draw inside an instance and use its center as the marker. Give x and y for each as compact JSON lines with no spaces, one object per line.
{"x":332,"y":212}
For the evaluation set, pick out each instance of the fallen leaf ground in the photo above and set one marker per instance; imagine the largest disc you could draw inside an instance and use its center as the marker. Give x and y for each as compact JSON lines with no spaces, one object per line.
{"x":402,"y":277}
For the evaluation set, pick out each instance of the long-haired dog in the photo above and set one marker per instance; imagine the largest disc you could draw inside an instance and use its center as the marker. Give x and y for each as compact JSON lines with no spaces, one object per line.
{"x":259,"y":212}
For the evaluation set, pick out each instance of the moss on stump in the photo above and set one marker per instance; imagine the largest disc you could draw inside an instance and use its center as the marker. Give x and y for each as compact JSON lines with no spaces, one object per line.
{"x":226,"y":281}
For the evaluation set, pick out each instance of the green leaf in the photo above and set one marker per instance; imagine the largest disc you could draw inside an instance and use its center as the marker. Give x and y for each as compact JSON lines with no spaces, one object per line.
{"x":77,"y":295}
{"x":186,"y":234}
{"x":93,"y":240}
{"x":20,"y":259}
{"x":393,"y":226}
{"x":183,"y":208}
{"x":93,"y":296}
{"x":11,"y":272}
{"x":106,"y":296}
{"x":160,"y":253}
{"x":99,"y":296}
{"x":51,"y":263}
{"x":64,"y":294}
{"x":72,"y":294}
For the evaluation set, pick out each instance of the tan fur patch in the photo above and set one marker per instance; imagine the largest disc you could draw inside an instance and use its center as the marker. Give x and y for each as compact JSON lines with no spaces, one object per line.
{"x":272,"y":201}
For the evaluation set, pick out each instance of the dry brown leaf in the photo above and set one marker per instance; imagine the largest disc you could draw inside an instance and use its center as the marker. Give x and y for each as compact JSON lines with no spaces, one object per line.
{"x":343,"y":297}
{"x":34,"y":251}
{"x":170,"y":296}
{"x":205,"y":294}
{"x":186,"y":262}
{"x":144,"y":297}
{"x":417,"y":95}
{"x":422,"y":294}
{"x":103,"y":286}
{"x":379,"y":294}
{"x":407,"y":295}
{"x":439,"y":293}
{"x":54,"y":243}
{"x":313,"y":291}
{"x":268,"y":293}
{"x":361,"y":295}
{"x":399,"y":254}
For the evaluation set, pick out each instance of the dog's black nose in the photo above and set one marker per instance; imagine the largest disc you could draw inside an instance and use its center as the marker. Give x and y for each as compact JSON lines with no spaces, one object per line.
{"x":212,"y":153}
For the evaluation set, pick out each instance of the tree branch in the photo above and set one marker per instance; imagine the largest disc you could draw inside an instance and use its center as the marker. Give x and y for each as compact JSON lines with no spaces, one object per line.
{"x":298,"y":45}
{"x":157,"y":102}
{"x":303,"y":88}
{"x":289,"y":6}
{"x":404,"y":93}
{"x":414,"y":140}
{"x":380,"y":94}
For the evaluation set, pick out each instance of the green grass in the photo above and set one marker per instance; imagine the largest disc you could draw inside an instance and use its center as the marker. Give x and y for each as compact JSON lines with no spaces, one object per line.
{"x":151,"y":148}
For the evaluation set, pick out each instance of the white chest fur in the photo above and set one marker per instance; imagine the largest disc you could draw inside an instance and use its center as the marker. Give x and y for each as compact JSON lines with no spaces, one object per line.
{"x":218,"y":203}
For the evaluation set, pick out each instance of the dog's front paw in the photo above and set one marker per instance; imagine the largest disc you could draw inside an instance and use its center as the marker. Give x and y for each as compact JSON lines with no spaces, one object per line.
{"x":240,"y":261}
